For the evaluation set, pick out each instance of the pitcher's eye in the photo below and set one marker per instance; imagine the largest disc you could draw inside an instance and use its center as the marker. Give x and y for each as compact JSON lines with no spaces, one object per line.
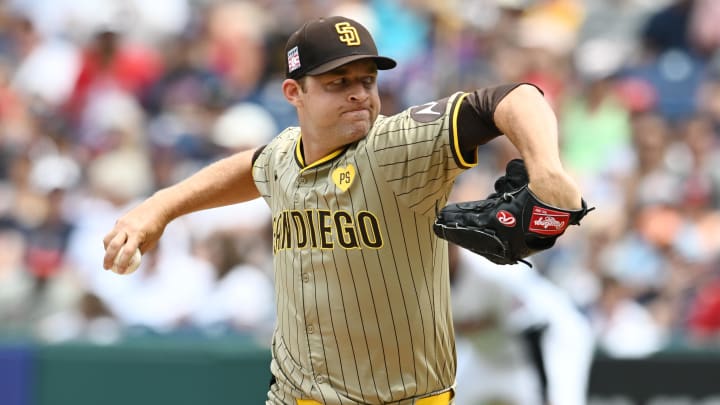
{"x":369,"y":81}
{"x":336,"y":84}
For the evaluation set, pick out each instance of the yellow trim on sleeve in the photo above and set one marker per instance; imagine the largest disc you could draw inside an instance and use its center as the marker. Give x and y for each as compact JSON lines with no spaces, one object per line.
{"x":454,"y":135}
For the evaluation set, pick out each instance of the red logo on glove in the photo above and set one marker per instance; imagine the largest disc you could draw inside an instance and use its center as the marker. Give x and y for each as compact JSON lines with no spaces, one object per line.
{"x":548,"y":222}
{"x":506,"y":218}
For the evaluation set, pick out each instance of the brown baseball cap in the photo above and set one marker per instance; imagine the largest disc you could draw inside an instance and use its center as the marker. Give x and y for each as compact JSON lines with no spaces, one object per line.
{"x":324,"y":44}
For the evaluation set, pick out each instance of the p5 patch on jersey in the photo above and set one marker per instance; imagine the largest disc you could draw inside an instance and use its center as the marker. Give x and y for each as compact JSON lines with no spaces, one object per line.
{"x":343,"y":177}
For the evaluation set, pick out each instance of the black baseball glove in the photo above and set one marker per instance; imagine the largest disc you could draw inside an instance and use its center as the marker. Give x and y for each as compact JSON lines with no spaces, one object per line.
{"x":510,"y":224}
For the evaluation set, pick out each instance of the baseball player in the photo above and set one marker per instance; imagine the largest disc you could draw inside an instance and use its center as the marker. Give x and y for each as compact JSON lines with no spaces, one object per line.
{"x":361,"y":281}
{"x":521,"y":341}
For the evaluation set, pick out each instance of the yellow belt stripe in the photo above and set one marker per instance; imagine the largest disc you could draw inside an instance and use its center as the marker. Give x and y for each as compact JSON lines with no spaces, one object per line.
{"x":440,"y":399}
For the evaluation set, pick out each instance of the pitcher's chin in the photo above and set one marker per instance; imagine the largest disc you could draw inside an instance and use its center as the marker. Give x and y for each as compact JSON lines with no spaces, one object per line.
{"x":357,"y":130}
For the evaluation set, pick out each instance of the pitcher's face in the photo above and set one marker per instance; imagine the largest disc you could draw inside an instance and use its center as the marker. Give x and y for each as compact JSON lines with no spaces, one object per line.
{"x":342,"y":103}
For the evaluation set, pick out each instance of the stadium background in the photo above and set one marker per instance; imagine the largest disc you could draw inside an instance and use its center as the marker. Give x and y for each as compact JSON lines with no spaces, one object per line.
{"x":104,"y":101}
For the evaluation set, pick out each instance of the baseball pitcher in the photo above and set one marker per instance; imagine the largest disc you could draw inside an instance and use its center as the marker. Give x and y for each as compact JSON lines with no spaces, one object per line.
{"x":361,"y":280}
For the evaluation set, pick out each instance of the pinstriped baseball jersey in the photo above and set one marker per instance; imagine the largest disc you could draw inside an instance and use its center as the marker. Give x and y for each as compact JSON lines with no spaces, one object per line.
{"x":361,"y":281}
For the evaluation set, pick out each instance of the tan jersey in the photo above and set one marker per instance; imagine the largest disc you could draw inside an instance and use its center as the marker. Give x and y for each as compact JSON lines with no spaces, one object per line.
{"x":361,"y":281}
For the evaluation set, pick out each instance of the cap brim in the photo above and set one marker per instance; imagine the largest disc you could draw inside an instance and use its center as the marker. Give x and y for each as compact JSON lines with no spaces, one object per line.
{"x":382,"y":62}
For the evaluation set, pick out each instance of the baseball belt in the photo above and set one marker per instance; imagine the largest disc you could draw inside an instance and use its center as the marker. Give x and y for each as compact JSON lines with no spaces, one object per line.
{"x":439,"y":399}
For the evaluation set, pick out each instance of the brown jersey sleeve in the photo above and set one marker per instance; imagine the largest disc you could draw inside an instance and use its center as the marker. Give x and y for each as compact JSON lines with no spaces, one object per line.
{"x":475,"y":124}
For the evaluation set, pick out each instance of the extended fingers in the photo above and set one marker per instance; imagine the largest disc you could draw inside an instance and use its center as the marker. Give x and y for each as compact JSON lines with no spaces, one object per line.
{"x":113,"y":242}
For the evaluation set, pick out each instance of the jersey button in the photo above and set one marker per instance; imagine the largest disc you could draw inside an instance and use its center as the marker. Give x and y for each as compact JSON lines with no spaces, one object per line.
{"x":320,"y":379}
{"x":305,"y":277}
{"x":310,"y":329}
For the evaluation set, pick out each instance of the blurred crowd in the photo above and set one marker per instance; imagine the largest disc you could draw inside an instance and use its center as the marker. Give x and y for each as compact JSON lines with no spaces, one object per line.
{"x":102,"y":102}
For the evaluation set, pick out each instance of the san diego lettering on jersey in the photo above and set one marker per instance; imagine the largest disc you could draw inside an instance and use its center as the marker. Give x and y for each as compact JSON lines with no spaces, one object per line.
{"x":325,"y":229}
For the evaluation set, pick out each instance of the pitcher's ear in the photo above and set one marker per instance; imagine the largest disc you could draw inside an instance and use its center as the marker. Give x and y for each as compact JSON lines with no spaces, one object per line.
{"x":291,"y":89}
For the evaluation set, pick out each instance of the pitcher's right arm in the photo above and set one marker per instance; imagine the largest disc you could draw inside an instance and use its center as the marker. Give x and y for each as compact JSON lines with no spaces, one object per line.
{"x":225,"y":182}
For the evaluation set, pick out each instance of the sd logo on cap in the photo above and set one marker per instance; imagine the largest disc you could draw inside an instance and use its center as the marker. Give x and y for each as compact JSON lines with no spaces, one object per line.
{"x":324,"y":44}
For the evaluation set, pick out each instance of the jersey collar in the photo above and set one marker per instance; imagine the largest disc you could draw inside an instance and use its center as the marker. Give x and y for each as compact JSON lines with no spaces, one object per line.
{"x":300,"y":160}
